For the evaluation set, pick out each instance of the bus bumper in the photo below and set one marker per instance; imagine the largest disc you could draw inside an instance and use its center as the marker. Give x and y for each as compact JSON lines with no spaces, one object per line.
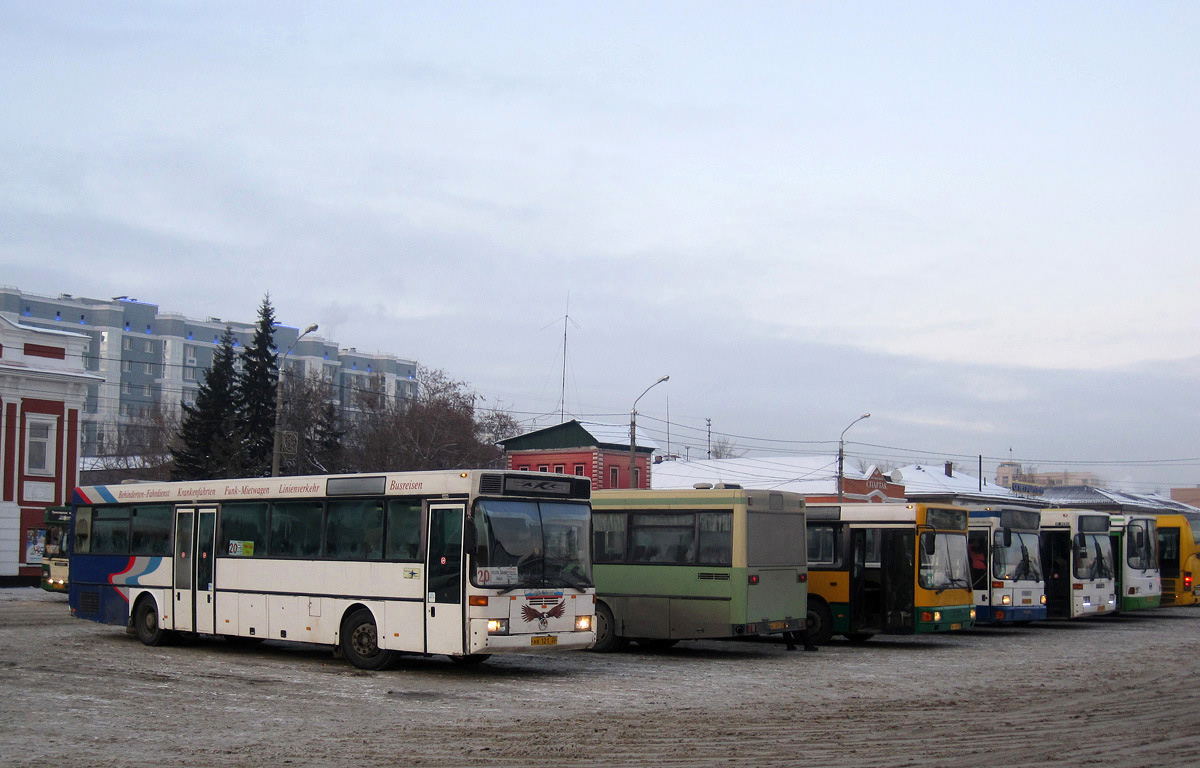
{"x":546,"y":641}
{"x":945,"y":618}
{"x":986,"y":614}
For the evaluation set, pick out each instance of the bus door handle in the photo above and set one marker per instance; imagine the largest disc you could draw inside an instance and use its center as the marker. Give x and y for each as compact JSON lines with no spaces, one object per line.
{"x":433,"y":610}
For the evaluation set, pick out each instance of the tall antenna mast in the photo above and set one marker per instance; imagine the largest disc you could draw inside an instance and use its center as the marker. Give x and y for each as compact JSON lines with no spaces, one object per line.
{"x":562,"y":401}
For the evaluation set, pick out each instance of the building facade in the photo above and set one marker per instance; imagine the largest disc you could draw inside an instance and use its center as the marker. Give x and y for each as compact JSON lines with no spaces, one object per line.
{"x":1009,"y":473}
{"x":43,"y":390}
{"x":144,"y":358}
{"x":598,"y":451}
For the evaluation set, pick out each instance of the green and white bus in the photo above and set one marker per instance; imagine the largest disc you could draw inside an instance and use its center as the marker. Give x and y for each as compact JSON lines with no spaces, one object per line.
{"x":1135,"y":555}
{"x":709,"y":563}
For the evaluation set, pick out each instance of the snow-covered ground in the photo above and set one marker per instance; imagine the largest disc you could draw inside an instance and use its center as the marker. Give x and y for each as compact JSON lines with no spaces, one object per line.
{"x":1113,"y":691}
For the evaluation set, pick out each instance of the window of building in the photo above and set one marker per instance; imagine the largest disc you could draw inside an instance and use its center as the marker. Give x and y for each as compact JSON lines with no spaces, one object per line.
{"x":543,"y":467}
{"x":148,"y":368}
{"x":126,"y":388}
{"x":189,"y":374}
{"x":559,"y":468}
{"x":127,"y":366}
{"x":147,"y":391}
{"x":39,"y":445}
{"x":127,"y":343}
{"x":637,"y":478}
{"x":579,"y":469}
{"x":614,"y":477}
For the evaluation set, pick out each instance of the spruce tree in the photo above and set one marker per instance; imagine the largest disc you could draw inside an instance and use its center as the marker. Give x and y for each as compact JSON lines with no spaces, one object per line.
{"x":210,"y":442}
{"x":256,"y":386}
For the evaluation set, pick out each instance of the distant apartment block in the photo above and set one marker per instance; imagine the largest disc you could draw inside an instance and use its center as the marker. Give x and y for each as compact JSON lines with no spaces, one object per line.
{"x":145,"y":357}
{"x":1010,"y":472}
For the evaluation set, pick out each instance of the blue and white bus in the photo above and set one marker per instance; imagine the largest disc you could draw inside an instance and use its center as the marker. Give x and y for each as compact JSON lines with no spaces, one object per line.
{"x":1004,"y":545}
{"x":459,"y":563}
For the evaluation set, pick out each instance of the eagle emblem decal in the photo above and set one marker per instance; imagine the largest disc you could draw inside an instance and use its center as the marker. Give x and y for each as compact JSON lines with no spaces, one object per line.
{"x":529,"y":613}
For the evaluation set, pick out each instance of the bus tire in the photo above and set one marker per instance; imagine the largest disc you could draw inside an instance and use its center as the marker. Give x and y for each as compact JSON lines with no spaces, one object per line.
{"x":360,"y":641}
{"x":145,"y":623}
{"x":607,"y":638}
{"x":819,"y":622}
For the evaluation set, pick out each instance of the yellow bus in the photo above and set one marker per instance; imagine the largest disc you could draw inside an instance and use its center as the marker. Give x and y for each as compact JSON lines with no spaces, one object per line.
{"x":1179,"y":558}
{"x":887,"y":569}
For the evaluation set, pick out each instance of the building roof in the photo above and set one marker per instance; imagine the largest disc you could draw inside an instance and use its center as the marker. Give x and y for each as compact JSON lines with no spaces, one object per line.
{"x":810,"y":475}
{"x":1100,"y":498}
{"x":579,"y":434}
{"x":924,"y":482}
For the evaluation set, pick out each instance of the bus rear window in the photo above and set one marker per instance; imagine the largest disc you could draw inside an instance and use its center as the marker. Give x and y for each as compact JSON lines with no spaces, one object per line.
{"x":773,"y":539}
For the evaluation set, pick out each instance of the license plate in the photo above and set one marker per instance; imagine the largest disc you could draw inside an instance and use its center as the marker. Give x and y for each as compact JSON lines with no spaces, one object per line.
{"x":956,"y":625}
{"x":1026,"y":602}
{"x":552,"y":640}
{"x":778,"y":625}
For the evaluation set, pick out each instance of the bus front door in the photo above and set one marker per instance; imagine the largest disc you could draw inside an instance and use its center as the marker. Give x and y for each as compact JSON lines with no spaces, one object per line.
{"x":899,"y":568}
{"x":195,"y":541}
{"x":866,"y":613}
{"x":1056,"y":569}
{"x":444,"y":587}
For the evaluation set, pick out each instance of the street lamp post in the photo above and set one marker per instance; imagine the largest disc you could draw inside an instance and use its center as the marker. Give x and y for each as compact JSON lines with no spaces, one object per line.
{"x":633,"y":428}
{"x":842,"y":453}
{"x":279,"y":401}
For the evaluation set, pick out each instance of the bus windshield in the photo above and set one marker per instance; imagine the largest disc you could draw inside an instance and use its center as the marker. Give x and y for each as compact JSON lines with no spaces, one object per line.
{"x":531,"y":544}
{"x":1019,"y":561}
{"x":1140,"y":538}
{"x":1093,"y":556}
{"x":947,"y":567}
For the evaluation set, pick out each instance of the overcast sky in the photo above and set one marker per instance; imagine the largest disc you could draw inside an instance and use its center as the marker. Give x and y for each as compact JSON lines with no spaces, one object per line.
{"x":977,"y":222}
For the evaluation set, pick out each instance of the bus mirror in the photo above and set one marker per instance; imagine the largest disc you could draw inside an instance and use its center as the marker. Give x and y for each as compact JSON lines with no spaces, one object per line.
{"x":469,"y":537}
{"x":1007,"y":538}
{"x":929,"y":544}
{"x":1139,"y":540}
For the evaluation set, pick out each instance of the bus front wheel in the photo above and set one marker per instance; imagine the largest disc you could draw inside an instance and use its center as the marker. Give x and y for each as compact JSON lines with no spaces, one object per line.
{"x":145,"y":623}
{"x":360,"y":641}
{"x":819,"y":622}
{"x":607,"y":638}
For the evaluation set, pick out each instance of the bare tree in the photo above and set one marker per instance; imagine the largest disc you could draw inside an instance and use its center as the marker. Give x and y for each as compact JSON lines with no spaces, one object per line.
{"x":439,"y":429}
{"x":724,"y":448}
{"x":139,"y":448}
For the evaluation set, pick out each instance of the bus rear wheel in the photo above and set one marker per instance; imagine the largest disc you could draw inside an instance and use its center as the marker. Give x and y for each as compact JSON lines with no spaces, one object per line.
{"x":145,"y":623}
{"x":819,"y":622}
{"x":360,"y":641}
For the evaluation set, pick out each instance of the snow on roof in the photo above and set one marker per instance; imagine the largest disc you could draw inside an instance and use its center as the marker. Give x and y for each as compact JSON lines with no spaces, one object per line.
{"x":1082,"y":495}
{"x":799,"y":474}
{"x":920,"y":480}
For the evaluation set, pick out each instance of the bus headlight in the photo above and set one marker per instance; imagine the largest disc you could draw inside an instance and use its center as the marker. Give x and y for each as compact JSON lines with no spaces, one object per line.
{"x":583,"y":623}
{"x":1043,"y":599}
{"x":497,"y":626}
{"x":1006,"y":600}
{"x":972,"y":614}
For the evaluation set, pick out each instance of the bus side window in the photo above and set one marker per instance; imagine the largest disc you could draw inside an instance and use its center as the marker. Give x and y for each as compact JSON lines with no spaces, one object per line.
{"x":403,"y":530}
{"x":83,"y":531}
{"x":608,"y":536}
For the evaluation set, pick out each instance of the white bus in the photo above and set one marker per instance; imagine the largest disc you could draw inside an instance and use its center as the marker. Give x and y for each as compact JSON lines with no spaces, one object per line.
{"x":1077,"y":559}
{"x":463,"y":563}
{"x":1006,"y":565}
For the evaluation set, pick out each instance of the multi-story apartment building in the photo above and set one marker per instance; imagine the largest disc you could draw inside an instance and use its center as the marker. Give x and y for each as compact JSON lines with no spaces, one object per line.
{"x":1009,"y":473}
{"x":147,"y":358}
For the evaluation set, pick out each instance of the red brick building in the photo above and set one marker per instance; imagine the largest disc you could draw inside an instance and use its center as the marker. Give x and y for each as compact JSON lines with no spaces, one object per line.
{"x":43,"y":387}
{"x":598,"y":451}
